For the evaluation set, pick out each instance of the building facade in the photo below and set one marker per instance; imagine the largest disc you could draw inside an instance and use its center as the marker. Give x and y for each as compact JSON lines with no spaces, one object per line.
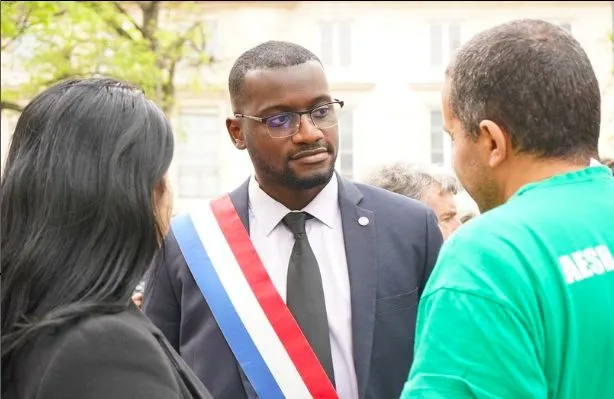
{"x":386,"y":60}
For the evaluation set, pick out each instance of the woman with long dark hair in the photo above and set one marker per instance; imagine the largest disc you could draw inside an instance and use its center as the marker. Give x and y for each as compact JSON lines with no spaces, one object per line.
{"x":85,"y":206}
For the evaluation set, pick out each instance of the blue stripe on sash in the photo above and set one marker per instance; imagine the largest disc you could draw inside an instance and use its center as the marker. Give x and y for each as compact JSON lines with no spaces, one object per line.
{"x":227,"y":318}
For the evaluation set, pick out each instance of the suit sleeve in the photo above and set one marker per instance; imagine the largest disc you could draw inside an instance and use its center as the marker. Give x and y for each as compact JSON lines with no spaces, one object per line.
{"x":160,"y":300}
{"x":108,"y":358}
{"x":434,"y":240}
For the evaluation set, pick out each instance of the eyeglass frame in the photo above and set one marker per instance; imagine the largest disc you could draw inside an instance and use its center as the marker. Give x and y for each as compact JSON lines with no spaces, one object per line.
{"x":264,"y":120}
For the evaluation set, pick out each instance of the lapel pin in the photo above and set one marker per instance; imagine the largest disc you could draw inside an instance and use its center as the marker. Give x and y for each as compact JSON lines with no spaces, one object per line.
{"x":363,"y":221}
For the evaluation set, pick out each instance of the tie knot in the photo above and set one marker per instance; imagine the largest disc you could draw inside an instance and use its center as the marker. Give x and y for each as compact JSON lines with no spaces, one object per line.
{"x":295,"y":221}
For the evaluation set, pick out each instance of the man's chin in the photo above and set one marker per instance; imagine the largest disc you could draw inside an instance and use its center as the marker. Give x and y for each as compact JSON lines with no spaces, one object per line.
{"x":310,"y":179}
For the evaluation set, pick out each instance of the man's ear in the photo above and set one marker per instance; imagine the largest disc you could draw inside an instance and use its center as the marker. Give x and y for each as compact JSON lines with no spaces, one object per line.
{"x":497,"y":140}
{"x":235,"y":132}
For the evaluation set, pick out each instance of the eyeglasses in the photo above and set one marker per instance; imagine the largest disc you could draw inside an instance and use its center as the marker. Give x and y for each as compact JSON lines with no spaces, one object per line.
{"x":287,"y":124}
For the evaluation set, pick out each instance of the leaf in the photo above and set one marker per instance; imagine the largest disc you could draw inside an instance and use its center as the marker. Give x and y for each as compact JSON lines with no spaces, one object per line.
{"x":44,"y":42}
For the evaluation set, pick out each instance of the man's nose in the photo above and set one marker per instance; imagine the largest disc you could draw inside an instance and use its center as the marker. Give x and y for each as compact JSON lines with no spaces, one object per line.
{"x":307,"y":131}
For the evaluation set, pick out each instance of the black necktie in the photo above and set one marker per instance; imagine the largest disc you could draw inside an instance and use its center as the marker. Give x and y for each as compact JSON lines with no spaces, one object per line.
{"x":305,"y":295}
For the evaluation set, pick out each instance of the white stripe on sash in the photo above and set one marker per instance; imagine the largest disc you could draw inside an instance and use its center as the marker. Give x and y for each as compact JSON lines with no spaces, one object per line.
{"x":247,"y":306}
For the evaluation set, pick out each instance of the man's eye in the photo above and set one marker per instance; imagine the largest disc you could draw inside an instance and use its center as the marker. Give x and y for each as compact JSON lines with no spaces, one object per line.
{"x":281,"y":120}
{"x":321,"y":112}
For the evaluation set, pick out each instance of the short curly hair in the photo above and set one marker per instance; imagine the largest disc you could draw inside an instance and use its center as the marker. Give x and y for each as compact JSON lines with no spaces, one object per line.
{"x":268,"y":55}
{"x":412,"y":180}
{"x":535,"y":81}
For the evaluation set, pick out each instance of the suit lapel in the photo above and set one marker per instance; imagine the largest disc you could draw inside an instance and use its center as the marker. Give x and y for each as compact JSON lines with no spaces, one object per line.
{"x":240,"y":199}
{"x":361,"y":252}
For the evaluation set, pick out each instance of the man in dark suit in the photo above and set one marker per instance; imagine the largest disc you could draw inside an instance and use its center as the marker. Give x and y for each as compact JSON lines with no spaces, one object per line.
{"x":372,"y":250}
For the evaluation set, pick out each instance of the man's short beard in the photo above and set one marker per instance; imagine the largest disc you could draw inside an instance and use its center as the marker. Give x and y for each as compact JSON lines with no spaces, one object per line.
{"x":287,"y":178}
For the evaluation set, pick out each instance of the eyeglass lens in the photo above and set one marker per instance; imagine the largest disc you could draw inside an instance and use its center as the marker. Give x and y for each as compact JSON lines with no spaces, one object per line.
{"x":286,"y":124}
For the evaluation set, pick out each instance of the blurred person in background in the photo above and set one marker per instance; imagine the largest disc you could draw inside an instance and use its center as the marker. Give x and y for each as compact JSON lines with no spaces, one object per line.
{"x":85,"y":205}
{"x":521,"y":301}
{"x":467,"y":216}
{"x":467,"y":208}
{"x":427,"y":183}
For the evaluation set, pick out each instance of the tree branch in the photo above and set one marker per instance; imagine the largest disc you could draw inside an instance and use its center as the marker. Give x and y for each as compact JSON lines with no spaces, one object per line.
{"x":122,"y":11}
{"x":9,"y":106}
{"x":151,"y":13}
{"x":23,"y":25}
{"x":181,"y":41}
{"x":168,"y":88}
{"x":56,"y":79}
{"x":177,"y":44}
{"x":113,"y":24}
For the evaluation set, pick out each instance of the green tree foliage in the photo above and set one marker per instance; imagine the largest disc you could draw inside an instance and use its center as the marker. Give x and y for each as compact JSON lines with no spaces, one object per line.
{"x":144,"y":42}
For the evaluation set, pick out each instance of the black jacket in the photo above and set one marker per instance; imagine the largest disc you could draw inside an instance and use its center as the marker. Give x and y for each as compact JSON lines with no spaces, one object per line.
{"x":116,"y":356}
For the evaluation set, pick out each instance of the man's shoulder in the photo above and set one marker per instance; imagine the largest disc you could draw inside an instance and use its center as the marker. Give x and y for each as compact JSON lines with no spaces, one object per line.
{"x":492,"y":229}
{"x":379,"y":198}
{"x":486,"y":256}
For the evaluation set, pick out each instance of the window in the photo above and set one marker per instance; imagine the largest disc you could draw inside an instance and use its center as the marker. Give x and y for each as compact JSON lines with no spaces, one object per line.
{"x":197,"y":154}
{"x":346,"y":144}
{"x":445,"y":39}
{"x":441,"y":144}
{"x":336,"y":43}
{"x":437,"y":153}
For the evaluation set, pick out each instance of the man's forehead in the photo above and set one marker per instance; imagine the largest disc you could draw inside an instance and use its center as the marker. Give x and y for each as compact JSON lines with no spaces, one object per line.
{"x":287,"y":86}
{"x":310,"y":70}
{"x":448,"y":199}
{"x":436,"y":192}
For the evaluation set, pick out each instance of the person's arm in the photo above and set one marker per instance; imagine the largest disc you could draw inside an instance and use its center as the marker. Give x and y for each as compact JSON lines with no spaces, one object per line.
{"x":434,"y":240}
{"x":469,"y":346}
{"x":160,"y":300}
{"x":109,"y":357}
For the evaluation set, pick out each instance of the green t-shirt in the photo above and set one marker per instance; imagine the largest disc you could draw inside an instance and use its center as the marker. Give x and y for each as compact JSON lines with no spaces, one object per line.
{"x":521,"y":301}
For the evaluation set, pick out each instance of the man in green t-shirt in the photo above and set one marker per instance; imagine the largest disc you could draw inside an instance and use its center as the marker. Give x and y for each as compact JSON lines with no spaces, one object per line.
{"x":521,"y":301}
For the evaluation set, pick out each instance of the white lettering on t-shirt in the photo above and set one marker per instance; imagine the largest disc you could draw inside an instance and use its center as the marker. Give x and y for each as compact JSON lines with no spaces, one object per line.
{"x":592,"y":258}
{"x":586,"y":263}
{"x":606,"y":257}
{"x":581,"y":264}
{"x":570,"y":271}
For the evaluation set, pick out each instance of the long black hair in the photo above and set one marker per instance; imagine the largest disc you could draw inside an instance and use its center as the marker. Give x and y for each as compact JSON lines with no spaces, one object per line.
{"x":79,"y":223}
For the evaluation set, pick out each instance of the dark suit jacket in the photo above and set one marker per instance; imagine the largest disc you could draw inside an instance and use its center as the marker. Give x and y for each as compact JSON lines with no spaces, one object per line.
{"x":116,"y":356}
{"x":389,"y":261}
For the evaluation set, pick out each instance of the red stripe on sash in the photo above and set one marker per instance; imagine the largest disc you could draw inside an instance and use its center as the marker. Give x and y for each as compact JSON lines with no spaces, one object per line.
{"x":277,"y":312}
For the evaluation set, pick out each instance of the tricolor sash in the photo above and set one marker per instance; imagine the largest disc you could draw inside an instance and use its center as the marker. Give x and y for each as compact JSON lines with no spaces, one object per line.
{"x":258,"y":326}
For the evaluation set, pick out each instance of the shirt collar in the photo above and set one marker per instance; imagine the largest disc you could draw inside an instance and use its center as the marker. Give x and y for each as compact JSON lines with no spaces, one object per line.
{"x":594,"y":171}
{"x":269,"y":212}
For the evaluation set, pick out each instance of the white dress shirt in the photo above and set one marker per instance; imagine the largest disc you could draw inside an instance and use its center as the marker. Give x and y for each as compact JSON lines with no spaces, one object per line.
{"x":274,"y":241}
